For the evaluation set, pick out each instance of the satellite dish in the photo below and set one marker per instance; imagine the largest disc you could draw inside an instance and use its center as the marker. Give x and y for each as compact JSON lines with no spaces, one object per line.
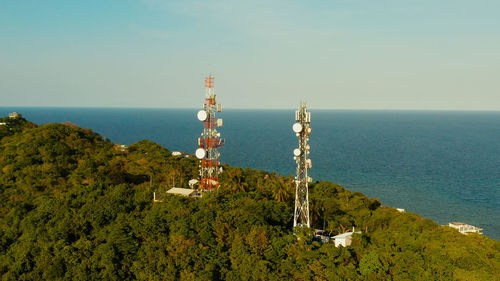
{"x":297,"y":127}
{"x":297,"y":152}
{"x":202,"y":115}
{"x":201,"y":153}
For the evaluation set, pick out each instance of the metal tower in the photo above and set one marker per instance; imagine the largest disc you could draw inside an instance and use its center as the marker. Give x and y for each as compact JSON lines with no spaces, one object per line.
{"x":210,"y":140}
{"x":302,"y":130}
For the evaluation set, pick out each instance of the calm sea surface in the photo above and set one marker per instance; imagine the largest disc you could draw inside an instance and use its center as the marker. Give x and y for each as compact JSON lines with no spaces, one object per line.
{"x":441,"y":165}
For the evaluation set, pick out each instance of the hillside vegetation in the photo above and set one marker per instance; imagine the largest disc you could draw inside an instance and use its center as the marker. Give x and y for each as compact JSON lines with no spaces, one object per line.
{"x":73,"y":206}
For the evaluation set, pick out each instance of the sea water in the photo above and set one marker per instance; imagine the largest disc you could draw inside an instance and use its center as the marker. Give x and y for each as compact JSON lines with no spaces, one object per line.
{"x":441,"y":165}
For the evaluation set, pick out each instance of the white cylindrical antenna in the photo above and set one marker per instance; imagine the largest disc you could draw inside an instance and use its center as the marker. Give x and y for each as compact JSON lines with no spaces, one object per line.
{"x":202,"y":115}
{"x":201,"y":153}
{"x":297,"y":127}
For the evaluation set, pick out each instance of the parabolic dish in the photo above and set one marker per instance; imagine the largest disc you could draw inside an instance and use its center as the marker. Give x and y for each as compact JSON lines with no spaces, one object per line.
{"x":200,"y":153}
{"x":202,"y":115}
{"x":297,"y":152}
{"x":297,"y":127}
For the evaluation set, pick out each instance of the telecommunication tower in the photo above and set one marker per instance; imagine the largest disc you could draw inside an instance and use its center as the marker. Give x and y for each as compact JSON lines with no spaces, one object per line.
{"x":210,"y":139}
{"x":302,"y":130}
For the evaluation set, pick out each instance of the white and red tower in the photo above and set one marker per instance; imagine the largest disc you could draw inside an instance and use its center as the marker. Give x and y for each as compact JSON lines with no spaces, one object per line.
{"x":210,"y":141}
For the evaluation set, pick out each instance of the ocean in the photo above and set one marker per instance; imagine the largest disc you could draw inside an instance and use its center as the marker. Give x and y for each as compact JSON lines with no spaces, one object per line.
{"x":441,"y":165}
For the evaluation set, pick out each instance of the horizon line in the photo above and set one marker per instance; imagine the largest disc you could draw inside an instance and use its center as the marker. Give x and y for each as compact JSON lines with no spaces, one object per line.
{"x":264,"y":109}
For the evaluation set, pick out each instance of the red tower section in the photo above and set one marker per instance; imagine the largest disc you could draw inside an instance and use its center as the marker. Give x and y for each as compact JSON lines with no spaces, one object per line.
{"x":210,"y":141}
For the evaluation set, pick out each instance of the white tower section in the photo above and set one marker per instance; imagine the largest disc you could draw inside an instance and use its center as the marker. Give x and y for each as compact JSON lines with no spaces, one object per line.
{"x":302,"y":130}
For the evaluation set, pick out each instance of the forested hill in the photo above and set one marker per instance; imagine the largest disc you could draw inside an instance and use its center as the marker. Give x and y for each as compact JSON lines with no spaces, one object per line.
{"x":10,"y":126}
{"x":74,"y":206}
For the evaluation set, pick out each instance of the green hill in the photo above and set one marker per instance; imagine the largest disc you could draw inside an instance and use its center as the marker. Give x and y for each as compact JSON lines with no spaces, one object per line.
{"x":74,"y":206}
{"x":10,"y":126}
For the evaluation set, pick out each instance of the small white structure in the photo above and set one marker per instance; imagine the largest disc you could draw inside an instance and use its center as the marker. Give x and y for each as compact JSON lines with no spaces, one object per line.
{"x":156,"y":199}
{"x":15,"y":115}
{"x":188,"y":192}
{"x":192,"y":182}
{"x":400,"y":210}
{"x":344,"y":239}
{"x":176,"y":153}
{"x":465,"y":228}
{"x":3,"y":124}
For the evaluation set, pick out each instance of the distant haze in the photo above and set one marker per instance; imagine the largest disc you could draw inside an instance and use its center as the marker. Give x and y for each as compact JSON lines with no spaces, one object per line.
{"x":341,"y":54}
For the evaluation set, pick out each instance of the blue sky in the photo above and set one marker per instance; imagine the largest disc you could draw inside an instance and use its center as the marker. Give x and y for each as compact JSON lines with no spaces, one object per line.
{"x":350,"y":54}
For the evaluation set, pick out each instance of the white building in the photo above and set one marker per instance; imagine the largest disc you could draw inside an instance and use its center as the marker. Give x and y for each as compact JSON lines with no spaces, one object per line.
{"x":400,"y":210}
{"x":188,"y":192}
{"x":176,"y":153}
{"x":344,"y":239}
{"x":15,"y":115}
{"x":465,"y":228}
{"x":3,"y":124}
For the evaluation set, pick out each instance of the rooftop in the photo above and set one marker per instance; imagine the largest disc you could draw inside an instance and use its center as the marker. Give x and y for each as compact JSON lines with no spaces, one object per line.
{"x":465,"y":228}
{"x":458,"y":223}
{"x":181,"y":191}
{"x":347,"y":234}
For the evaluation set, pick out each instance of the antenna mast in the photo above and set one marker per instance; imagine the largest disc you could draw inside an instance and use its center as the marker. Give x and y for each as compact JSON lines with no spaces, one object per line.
{"x":210,"y":140}
{"x":302,"y":130}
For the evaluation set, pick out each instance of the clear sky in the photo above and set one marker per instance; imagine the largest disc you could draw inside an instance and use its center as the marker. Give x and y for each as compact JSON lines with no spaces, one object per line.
{"x":335,"y":54}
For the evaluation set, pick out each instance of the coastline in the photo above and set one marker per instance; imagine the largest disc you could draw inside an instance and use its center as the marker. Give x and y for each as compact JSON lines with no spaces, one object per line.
{"x":350,"y":148}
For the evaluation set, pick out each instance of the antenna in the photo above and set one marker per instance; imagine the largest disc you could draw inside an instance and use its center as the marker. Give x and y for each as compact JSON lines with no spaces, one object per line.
{"x":210,"y":140}
{"x":302,"y":130}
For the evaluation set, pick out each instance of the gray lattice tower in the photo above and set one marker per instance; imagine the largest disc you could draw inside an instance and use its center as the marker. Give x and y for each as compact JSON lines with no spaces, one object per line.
{"x":302,"y":130}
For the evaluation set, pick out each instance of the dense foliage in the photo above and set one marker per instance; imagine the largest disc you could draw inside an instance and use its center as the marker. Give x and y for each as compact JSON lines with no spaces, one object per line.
{"x":74,"y":206}
{"x":10,"y":126}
